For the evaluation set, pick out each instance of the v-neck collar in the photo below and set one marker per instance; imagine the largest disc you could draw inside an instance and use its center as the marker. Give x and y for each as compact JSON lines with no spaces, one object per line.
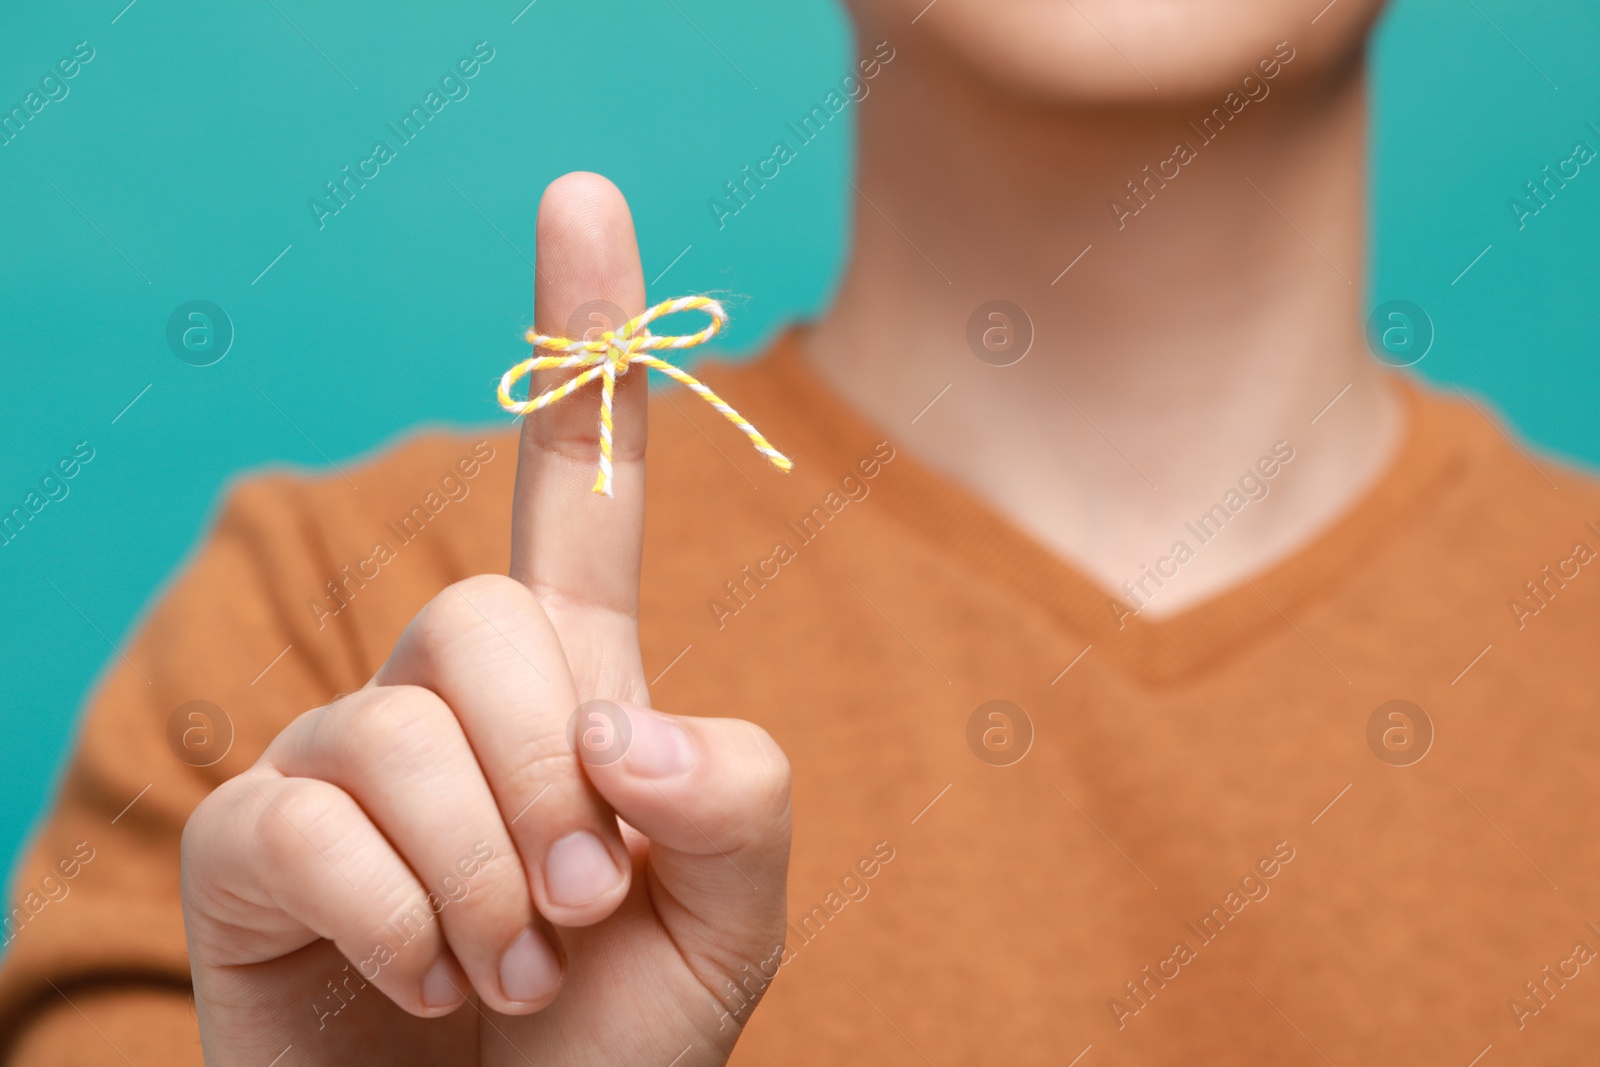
{"x":1433,"y":454}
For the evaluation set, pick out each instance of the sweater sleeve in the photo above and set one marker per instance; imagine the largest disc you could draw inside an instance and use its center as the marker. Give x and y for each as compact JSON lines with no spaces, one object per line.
{"x":95,"y":964}
{"x":296,"y":596}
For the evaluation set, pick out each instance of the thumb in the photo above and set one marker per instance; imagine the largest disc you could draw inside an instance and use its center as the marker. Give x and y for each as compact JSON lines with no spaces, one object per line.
{"x":712,"y":795}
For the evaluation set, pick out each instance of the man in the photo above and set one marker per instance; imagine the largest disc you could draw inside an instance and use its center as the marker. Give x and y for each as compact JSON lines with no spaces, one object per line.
{"x":1146,"y":674}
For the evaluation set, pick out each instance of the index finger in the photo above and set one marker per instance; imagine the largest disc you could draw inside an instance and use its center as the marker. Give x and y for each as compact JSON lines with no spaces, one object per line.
{"x":577,"y":550}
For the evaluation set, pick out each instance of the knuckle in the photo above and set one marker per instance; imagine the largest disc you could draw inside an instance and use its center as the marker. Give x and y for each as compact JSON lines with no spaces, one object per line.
{"x":755,"y":807}
{"x":385,"y":720}
{"x":472,"y":603}
{"x":493,"y":589}
{"x":210,"y":845}
{"x":210,"y":819}
{"x":495,"y":898}
{"x":757,"y":822}
{"x":768,"y":777}
{"x":547,"y":759}
{"x":548,"y":439}
{"x":290,"y":817}
{"x":470,"y":611}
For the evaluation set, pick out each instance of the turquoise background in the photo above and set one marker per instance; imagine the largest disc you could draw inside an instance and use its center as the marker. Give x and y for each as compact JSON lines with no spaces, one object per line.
{"x":181,"y":162}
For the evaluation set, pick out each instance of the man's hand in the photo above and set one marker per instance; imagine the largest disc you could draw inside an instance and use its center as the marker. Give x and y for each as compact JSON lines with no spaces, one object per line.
{"x":426,"y":872}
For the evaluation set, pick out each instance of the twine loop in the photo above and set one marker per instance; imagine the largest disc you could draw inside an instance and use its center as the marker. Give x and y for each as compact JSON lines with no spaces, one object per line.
{"x":610,"y":356}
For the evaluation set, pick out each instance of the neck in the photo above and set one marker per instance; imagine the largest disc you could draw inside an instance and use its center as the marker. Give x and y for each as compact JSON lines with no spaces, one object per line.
{"x":1176,"y":338}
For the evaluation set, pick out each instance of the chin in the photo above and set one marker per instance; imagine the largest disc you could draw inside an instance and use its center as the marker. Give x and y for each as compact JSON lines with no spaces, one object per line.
{"x":1134,"y":52}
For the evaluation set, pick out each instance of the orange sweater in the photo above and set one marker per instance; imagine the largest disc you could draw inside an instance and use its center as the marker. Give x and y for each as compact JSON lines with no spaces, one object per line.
{"x":1206,"y":839}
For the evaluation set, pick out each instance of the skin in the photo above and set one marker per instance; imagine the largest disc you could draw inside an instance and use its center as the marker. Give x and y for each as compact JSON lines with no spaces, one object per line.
{"x":1189,"y":341}
{"x":457,"y":749}
{"x":1196,"y":336}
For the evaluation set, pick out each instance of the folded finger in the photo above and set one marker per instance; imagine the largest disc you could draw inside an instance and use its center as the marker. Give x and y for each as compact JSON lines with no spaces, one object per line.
{"x":487,"y":649}
{"x":315,"y":864}
{"x":402,"y":755}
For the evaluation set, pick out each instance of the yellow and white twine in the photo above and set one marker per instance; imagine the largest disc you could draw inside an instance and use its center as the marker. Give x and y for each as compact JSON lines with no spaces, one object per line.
{"x":608,"y":358}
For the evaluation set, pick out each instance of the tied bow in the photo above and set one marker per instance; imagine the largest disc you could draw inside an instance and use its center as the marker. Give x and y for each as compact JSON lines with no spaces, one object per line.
{"x":608,"y":358}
